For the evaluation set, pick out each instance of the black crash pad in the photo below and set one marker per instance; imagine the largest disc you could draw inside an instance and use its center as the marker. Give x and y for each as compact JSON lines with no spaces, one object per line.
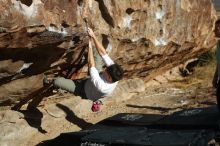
{"x":192,"y":118}
{"x":196,"y":127}
{"x":142,"y":136}
{"x":132,"y":119}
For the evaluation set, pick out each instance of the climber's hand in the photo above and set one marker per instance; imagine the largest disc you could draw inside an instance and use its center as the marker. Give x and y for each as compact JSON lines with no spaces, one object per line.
{"x":91,"y":33}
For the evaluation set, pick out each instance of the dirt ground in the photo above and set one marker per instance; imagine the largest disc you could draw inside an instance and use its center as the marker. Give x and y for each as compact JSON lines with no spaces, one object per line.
{"x":158,"y":100}
{"x":191,"y":92}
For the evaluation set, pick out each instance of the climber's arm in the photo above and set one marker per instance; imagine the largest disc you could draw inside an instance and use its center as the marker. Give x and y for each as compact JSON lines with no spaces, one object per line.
{"x":101,"y":50}
{"x":91,"y":62}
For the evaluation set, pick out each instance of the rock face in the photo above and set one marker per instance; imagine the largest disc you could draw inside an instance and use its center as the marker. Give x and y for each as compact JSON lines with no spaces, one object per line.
{"x":146,"y":37}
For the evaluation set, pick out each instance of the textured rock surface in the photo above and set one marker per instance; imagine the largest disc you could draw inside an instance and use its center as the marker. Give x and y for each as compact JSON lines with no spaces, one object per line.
{"x":147,"y":37}
{"x":68,"y":111}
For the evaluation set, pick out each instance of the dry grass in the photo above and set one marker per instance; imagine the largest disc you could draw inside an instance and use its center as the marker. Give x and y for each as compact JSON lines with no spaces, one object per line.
{"x":202,"y":75}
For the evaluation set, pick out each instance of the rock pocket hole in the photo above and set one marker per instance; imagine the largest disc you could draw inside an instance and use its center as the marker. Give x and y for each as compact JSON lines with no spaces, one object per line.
{"x":161,"y":32}
{"x":105,"y":14}
{"x":53,"y":25}
{"x":129,"y":11}
{"x":80,"y":2}
{"x":160,"y":7}
{"x":27,"y":2}
{"x":64,"y":24}
{"x":105,"y":40}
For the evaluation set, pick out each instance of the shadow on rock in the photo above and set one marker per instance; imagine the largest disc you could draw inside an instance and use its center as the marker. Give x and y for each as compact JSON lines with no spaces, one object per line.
{"x":40,"y":58}
{"x":36,"y":98}
{"x":33,"y":117}
{"x":64,"y":139}
{"x":71,"y":117}
{"x":67,"y":139}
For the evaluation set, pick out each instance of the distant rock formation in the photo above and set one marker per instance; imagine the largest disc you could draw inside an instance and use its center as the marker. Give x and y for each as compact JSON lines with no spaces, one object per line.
{"x":146,"y":37}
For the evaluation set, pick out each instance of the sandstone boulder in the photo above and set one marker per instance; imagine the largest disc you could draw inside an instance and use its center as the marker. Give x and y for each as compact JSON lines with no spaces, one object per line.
{"x":146,"y":37}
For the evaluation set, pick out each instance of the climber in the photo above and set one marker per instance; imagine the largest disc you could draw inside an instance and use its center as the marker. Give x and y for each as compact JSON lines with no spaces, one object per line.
{"x":216,"y":77}
{"x":97,"y":85}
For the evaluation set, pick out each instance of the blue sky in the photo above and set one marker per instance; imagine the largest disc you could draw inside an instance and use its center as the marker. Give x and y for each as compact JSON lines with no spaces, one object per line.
{"x":217,"y":4}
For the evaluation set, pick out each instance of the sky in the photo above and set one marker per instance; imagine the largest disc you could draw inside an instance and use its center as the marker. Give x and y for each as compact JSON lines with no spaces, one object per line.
{"x":217,"y":4}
